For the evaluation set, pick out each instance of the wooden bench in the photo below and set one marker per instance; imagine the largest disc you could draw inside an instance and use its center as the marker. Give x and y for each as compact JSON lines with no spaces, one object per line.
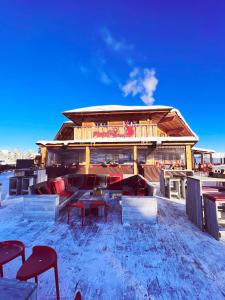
{"x":214,"y":209}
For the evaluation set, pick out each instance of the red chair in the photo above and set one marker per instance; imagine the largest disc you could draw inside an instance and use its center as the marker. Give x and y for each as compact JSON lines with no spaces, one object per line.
{"x":58,"y":187}
{"x":9,"y":250}
{"x":115,"y":181}
{"x":41,"y":260}
{"x":78,"y":204}
{"x":97,"y":204}
{"x":78,"y":296}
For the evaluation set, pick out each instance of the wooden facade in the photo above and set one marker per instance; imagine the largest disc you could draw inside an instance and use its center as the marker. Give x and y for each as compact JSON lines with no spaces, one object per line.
{"x":112,"y":139}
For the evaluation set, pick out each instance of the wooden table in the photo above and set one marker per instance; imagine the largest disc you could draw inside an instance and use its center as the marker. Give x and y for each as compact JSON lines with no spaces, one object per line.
{"x":166,"y":178}
{"x":12,"y":289}
{"x":87,"y":198}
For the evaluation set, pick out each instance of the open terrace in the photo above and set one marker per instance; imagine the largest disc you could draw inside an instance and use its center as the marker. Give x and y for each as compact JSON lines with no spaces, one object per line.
{"x":170,"y":260}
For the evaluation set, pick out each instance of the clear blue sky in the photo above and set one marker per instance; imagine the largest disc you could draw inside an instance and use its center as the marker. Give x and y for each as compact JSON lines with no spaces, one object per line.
{"x":59,"y":55}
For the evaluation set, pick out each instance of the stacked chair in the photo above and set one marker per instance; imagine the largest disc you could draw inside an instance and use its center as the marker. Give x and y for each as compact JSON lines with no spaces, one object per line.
{"x":41,"y":260}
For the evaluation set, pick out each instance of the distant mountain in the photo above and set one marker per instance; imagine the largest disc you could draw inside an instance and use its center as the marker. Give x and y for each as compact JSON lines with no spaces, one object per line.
{"x":10,"y":156}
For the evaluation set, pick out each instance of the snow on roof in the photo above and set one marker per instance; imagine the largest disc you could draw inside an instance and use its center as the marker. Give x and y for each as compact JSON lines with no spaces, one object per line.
{"x":108,"y":108}
{"x":203,"y":150}
{"x":121,"y":139}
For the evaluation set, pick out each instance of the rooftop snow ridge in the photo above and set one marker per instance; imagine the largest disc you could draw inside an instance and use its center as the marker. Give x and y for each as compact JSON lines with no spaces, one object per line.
{"x":117,"y":108}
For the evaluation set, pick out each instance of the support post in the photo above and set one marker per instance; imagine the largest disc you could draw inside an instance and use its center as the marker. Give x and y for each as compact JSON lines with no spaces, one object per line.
{"x":188,"y":157}
{"x":210,"y":158}
{"x":202,"y":158}
{"x":135,"y":161}
{"x":87,"y":159}
{"x":193,"y":160}
{"x":43,"y":155}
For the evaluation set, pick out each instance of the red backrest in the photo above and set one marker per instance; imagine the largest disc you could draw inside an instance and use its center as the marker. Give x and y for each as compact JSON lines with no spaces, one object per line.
{"x":113,"y":178}
{"x":58,"y":185}
{"x":115,"y":181}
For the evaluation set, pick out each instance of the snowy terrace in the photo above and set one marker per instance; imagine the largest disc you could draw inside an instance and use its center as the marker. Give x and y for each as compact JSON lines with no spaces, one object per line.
{"x":170,"y":260}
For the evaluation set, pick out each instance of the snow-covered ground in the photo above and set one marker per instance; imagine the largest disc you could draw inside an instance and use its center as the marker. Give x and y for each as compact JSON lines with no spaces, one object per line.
{"x":170,"y":260}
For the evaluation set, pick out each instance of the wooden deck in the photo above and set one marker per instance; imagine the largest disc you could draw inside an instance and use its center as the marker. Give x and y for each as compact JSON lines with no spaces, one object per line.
{"x":170,"y":260}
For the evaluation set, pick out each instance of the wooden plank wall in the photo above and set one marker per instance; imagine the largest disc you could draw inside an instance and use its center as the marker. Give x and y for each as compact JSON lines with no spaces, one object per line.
{"x":194,"y":205}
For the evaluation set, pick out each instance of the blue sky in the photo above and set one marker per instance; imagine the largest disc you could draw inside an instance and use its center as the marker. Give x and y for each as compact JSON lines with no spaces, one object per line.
{"x":59,"y":55}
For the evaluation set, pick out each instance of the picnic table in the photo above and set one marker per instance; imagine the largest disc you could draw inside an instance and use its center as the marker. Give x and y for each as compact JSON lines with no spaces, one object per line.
{"x":88,"y":198}
{"x":194,"y":199}
{"x":173,"y":182}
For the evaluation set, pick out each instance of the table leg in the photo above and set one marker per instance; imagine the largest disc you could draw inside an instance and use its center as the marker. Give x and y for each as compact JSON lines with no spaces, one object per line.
{"x":1,"y":271}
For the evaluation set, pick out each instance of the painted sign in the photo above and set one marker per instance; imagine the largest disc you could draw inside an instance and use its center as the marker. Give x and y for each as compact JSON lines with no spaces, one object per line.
{"x":115,"y":132}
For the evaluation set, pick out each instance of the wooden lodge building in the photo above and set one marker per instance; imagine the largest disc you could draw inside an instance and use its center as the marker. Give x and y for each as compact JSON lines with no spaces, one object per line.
{"x":114,"y":139}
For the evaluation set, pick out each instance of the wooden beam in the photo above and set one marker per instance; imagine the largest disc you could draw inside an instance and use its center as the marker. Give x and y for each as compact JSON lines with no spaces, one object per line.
{"x":43,"y":155}
{"x":166,"y":119}
{"x":87,"y":159}
{"x":135,"y":161}
{"x":74,"y":133}
{"x":188,"y":157}
{"x":178,"y":129}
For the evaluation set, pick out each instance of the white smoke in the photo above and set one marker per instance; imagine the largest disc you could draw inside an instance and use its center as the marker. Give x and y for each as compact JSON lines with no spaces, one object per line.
{"x":115,"y":44}
{"x":143,"y":82}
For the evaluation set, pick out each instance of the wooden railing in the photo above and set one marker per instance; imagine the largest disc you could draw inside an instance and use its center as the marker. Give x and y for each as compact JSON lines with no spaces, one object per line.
{"x":115,"y":131}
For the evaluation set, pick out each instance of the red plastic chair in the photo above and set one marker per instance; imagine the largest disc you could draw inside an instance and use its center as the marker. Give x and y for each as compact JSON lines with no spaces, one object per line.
{"x":9,"y":250}
{"x":78,"y":296}
{"x":78,"y":204}
{"x":115,"y":181}
{"x":97,"y":204}
{"x":59,"y":188}
{"x":41,"y":260}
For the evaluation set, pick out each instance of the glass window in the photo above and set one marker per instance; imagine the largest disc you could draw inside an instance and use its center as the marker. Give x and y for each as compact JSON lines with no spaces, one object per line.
{"x":166,"y":156}
{"x":100,"y":124}
{"x":107,"y":156}
{"x":65,"y":157}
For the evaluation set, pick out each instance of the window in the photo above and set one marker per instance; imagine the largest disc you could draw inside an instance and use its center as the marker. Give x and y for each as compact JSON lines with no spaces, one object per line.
{"x":131,"y":122}
{"x":107,"y":156}
{"x":163,"y":155}
{"x":101,"y":124}
{"x":65,"y":157}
